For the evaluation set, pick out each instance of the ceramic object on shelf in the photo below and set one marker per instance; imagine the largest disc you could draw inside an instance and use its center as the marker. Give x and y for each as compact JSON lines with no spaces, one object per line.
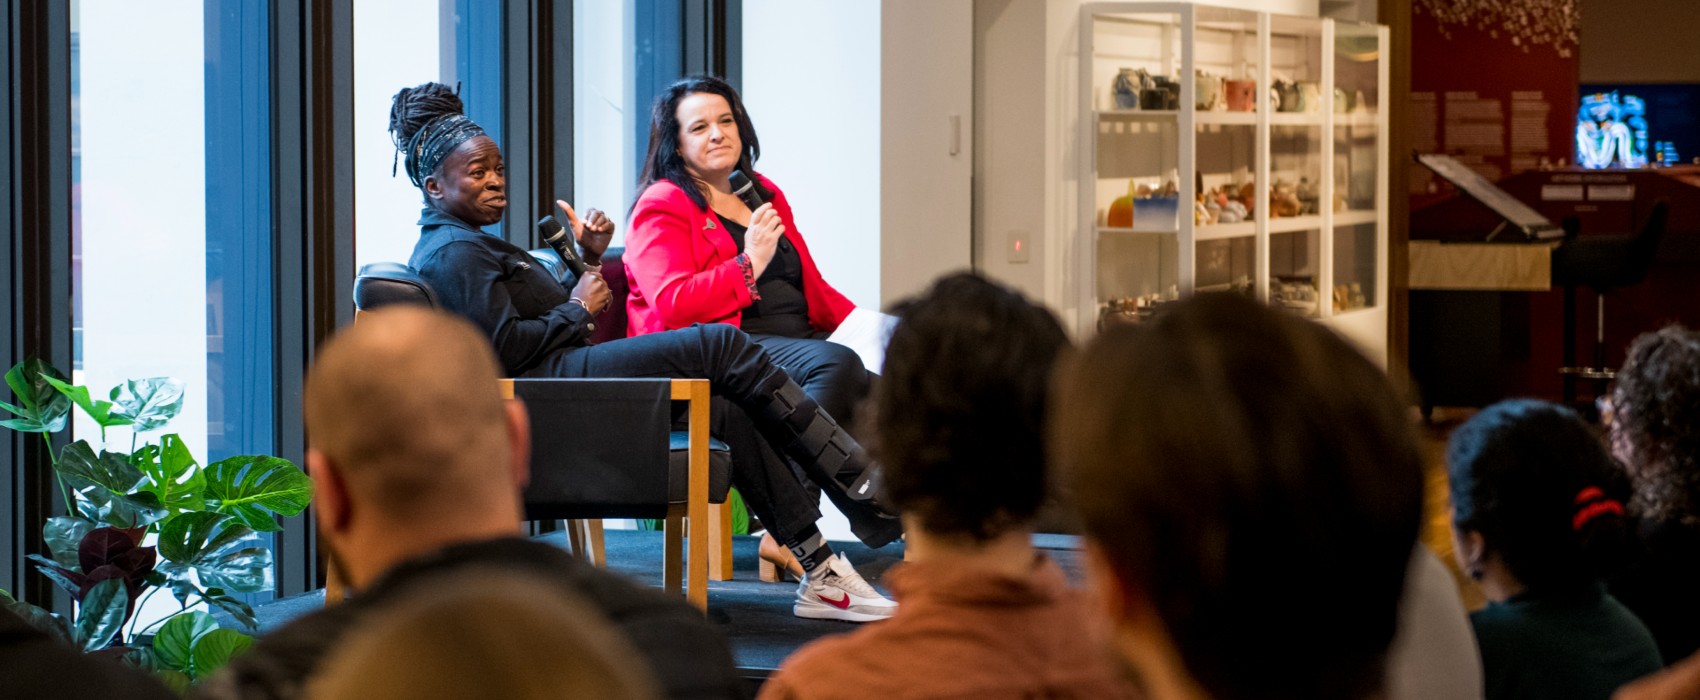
{"x":1121,"y":210}
{"x":1209,"y":90}
{"x":1127,"y":86}
{"x":1284,"y":200}
{"x":1240,"y":95}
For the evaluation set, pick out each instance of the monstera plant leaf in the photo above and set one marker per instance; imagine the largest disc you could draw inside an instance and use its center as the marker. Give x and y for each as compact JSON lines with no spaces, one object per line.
{"x":63,"y":535}
{"x":252,"y":488}
{"x":172,"y":474}
{"x":41,"y":408}
{"x":174,"y":643}
{"x":234,"y":606}
{"x":215,"y":649}
{"x":102,"y":613}
{"x":211,"y":545}
{"x":148,"y":403}
{"x":108,"y":481}
{"x":100,"y":411}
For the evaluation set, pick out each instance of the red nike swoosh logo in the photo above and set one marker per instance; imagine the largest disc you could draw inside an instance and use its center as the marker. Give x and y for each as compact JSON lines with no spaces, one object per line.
{"x":843,"y":602}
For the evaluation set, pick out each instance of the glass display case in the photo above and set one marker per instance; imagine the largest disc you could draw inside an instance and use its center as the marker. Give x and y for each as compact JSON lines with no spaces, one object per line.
{"x":1231,"y":150}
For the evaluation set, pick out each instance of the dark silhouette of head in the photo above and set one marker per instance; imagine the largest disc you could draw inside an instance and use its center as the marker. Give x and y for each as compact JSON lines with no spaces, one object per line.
{"x":1212,"y":450}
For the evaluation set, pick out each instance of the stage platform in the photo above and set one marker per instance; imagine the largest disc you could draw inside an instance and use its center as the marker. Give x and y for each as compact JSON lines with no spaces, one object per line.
{"x":755,"y":616}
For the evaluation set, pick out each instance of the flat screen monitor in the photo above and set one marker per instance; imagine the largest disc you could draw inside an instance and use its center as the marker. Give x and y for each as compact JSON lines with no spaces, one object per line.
{"x":1636,"y":125}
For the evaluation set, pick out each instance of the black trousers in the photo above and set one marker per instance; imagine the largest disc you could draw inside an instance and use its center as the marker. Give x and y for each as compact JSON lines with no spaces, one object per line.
{"x":743,"y":377}
{"x":831,"y":374}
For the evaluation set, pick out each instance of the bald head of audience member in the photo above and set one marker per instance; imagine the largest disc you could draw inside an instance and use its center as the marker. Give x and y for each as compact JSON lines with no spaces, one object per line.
{"x":1251,"y":488}
{"x":408,"y":434}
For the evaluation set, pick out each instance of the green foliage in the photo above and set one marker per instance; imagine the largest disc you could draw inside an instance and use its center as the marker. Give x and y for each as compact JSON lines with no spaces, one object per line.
{"x":41,"y":408}
{"x":194,"y":645}
{"x":205,"y":520}
{"x":102,"y":614}
{"x":255,"y":487}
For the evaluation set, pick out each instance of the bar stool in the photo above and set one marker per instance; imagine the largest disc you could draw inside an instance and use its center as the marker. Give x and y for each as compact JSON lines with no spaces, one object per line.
{"x":1602,"y":263}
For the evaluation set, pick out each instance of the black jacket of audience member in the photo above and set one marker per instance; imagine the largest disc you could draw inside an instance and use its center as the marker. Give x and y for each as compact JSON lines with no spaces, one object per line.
{"x":1662,"y":587}
{"x":687,"y":657}
{"x":34,"y":665}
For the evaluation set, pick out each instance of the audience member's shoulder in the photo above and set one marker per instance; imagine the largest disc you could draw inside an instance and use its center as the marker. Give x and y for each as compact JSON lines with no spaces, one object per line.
{"x":833,"y":667}
{"x":33,"y":665}
{"x":280,"y":662}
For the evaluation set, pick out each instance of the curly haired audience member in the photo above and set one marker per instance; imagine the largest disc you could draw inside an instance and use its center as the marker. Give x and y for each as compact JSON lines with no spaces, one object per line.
{"x":1252,"y":491}
{"x":959,"y":420}
{"x":1655,"y":433}
{"x":1536,"y":523}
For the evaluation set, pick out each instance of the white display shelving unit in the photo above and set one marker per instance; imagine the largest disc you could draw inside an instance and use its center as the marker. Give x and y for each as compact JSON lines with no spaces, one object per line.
{"x":1336,"y":247}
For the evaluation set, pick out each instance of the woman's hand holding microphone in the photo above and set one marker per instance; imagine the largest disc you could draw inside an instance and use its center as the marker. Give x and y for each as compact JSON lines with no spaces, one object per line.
{"x":761,"y":238}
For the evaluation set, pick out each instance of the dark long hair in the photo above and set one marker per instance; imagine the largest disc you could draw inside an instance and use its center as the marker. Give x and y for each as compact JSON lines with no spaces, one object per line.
{"x":663,"y":161}
{"x":1540,"y":488}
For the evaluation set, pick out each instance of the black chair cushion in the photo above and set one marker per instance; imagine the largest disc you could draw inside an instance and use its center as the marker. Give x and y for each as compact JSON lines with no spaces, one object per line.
{"x":380,"y":284}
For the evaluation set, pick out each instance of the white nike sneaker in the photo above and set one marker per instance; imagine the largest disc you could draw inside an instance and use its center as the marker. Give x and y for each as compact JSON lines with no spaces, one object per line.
{"x":841,"y":594}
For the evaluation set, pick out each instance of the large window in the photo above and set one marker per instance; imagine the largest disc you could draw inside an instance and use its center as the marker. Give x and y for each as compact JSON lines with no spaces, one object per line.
{"x":171,"y":213}
{"x":402,"y":43}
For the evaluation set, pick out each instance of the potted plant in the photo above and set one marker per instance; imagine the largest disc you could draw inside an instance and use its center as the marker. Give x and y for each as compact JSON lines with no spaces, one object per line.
{"x":149,"y":519}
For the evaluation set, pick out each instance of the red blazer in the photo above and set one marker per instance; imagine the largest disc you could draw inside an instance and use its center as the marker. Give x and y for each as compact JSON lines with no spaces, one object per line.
{"x":679,"y":263}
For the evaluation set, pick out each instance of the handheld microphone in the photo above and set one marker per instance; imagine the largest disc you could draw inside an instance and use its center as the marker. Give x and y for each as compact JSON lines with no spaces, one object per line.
{"x":745,"y":188}
{"x":556,"y":236}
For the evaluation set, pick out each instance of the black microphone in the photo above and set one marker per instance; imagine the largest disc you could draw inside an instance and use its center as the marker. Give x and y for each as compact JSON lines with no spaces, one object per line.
{"x":556,"y":236}
{"x":745,"y":189}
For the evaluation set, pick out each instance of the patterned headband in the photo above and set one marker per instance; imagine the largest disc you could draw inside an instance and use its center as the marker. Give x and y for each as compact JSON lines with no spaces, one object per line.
{"x":435,"y":141}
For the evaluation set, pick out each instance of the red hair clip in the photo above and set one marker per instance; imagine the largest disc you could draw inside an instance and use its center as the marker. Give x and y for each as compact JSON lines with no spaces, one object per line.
{"x":1593,"y":503}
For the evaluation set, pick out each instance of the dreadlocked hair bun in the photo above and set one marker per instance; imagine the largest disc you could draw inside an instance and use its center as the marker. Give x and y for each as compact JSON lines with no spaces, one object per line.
{"x":415,"y":107}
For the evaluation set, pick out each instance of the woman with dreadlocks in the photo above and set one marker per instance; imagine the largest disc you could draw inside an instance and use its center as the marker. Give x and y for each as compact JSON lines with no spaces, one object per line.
{"x":540,"y":327}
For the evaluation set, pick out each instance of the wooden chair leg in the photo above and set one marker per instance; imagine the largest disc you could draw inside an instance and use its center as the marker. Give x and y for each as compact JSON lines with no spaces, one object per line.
{"x":673,"y":550}
{"x":575,"y":538}
{"x":696,"y":502}
{"x":719,"y":542}
{"x":595,"y":543}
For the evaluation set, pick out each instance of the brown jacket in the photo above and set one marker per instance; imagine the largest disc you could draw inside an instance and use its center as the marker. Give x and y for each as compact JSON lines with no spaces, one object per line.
{"x":963,"y":634}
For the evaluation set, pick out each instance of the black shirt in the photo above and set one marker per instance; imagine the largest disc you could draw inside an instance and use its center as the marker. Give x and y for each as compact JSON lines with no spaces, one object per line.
{"x":782,"y":309}
{"x":501,"y":288}
{"x":687,"y":657}
{"x":1662,"y":586}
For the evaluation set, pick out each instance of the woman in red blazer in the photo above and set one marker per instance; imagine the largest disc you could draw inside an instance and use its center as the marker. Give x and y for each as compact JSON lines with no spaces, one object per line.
{"x":696,"y":253}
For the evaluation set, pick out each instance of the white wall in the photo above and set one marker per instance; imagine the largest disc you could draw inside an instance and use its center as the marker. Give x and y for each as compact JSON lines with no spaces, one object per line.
{"x":812,"y":88}
{"x":386,"y":207}
{"x":927,"y":149}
